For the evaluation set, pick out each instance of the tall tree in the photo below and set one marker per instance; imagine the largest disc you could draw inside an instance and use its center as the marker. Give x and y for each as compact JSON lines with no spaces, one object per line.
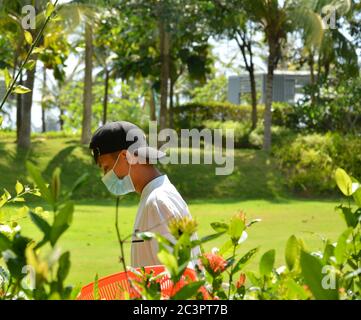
{"x":163,"y":23}
{"x":88,"y":84}
{"x":276,"y":19}
{"x":229,"y":19}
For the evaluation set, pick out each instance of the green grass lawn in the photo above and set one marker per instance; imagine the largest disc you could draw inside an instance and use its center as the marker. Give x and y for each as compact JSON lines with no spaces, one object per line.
{"x":255,"y":176}
{"x":94,"y":248}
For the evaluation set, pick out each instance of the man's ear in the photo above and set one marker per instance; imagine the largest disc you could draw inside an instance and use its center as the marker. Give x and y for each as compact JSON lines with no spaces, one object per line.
{"x":123,"y":154}
{"x":131,"y":158}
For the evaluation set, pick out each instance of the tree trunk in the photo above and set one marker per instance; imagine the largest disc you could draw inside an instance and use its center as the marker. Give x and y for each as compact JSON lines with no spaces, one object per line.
{"x":311,"y":63}
{"x":43,"y":102}
{"x":61,"y":119}
{"x":27,"y":101}
{"x":106,"y":93}
{"x":164,"y":76}
{"x":87,"y":94}
{"x":245,"y":45}
{"x":171,"y":105}
{"x":254,"y":98}
{"x":152,"y":114}
{"x":269,"y":99}
{"x":19,"y":101}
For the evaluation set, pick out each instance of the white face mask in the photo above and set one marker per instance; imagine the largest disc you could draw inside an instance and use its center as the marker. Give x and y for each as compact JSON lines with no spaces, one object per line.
{"x":118,"y":186}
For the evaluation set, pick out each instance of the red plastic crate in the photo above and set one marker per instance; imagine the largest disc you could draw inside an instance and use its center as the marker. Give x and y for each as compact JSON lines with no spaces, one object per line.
{"x":116,"y":286}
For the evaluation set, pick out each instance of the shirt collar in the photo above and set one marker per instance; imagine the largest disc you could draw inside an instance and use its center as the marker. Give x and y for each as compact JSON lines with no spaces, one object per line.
{"x":153,"y":184}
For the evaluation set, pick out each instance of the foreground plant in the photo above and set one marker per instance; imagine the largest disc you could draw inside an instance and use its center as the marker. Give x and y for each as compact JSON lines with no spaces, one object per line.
{"x":37,"y":269}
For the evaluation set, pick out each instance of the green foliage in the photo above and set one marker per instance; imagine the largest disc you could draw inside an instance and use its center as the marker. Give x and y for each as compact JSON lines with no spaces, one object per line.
{"x":240,"y":130}
{"x":337,"y":107}
{"x":267,"y":263}
{"x":309,"y":161}
{"x":331,"y":274}
{"x":218,"y":115}
{"x":214,"y":90}
{"x":21,"y":255}
{"x":126,"y":104}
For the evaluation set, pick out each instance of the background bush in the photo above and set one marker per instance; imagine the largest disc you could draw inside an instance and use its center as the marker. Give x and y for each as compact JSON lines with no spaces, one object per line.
{"x":308,"y":161}
{"x":194,"y":115}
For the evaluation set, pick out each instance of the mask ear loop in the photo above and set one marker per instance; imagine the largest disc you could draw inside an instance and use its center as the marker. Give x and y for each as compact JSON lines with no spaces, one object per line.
{"x":116,"y":161}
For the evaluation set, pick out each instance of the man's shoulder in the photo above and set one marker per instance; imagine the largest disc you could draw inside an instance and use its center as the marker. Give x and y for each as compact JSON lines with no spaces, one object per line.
{"x":166,"y":195}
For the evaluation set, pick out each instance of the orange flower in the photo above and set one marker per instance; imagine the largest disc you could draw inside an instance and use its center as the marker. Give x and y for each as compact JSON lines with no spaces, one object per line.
{"x":241,"y":280}
{"x":241,"y":215}
{"x":215,"y":262}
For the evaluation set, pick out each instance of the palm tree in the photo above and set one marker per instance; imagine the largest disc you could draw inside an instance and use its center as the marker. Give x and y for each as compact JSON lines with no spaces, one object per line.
{"x":333,"y":47}
{"x":277,"y":19}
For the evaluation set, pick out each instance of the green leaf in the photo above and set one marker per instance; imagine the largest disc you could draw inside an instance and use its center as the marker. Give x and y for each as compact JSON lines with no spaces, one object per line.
{"x":357,"y":197}
{"x":312,"y":273}
{"x":79,"y":182}
{"x":41,"y":223}
{"x":7,"y":194}
{"x":5,"y":243}
{"x":96,"y":288}
{"x":28,"y":37}
{"x":219,"y":226}
{"x":64,"y":266}
{"x":30,"y":65}
{"x":341,"y":247}
{"x":267,"y":262}
{"x":19,"y":187}
{"x":253,"y":278}
{"x":19,"y":199}
{"x":169,"y":261}
{"x":211,"y":237}
{"x":1,"y":120}
{"x":344,"y":182}
{"x":62,"y":221}
{"x":49,"y":9}
{"x":55,"y":184}
{"x":328,"y":252}
{"x":8,"y":78}
{"x":292,"y":252}
{"x":188,"y":291}
{"x":254,"y":221}
{"x":3,"y":200}
{"x":40,"y":183}
{"x":226,"y":247}
{"x":295,"y":288}
{"x":21,"y":89}
{"x":245,"y":259}
{"x":236,"y":228}
{"x":348,"y":216}
{"x":38,"y":50}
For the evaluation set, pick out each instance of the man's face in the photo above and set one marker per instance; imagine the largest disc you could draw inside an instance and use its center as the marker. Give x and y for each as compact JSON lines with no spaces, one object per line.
{"x":107,"y":161}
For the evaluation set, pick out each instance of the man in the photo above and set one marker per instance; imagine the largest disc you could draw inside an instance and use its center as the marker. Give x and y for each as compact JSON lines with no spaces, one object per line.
{"x":121,"y":151}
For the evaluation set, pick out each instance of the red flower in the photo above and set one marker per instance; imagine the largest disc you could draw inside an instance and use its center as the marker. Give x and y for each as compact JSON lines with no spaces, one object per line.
{"x":215,"y":262}
{"x":241,"y":281}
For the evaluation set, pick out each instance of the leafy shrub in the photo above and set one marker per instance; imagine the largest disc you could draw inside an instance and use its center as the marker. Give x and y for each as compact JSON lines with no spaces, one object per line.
{"x":194,"y":115}
{"x":241,"y":130}
{"x":279,"y":135}
{"x":309,"y":160}
{"x":337,"y":107}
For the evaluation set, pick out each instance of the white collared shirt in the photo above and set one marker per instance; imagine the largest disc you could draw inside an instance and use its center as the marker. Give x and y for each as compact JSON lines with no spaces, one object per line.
{"x":160,"y":202}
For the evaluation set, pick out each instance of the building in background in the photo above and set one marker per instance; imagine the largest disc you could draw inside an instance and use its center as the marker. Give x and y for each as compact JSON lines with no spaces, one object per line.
{"x":287,"y":86}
